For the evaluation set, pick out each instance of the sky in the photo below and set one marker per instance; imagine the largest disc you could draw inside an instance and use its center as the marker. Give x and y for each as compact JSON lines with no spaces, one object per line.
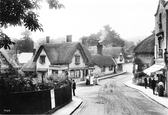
{"x":129,"y":18}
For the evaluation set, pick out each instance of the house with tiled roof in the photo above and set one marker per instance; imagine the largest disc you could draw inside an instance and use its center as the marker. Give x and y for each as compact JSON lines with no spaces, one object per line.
{"x":145,"y":50}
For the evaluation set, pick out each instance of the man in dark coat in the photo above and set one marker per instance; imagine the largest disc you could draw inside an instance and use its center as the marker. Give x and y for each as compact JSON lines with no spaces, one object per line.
{"x":153,"y":85}
{"x":73,"y":87}
{"x":145,"y":82}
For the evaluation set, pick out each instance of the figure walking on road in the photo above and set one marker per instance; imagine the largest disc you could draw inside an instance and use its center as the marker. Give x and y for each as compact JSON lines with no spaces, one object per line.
{"x":153,"y":85}
{"x":73,"y":87}
{"x":145,"y":81}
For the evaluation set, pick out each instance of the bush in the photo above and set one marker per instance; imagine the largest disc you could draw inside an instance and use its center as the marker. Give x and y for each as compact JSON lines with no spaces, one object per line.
{"x":10,"y":84}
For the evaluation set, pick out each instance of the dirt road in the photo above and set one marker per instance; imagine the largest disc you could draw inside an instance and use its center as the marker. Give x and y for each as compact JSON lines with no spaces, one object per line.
{"x":112,"y":97}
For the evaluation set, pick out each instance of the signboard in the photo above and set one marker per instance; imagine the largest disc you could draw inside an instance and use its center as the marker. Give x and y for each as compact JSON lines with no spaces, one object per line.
{"x":52,"y":98}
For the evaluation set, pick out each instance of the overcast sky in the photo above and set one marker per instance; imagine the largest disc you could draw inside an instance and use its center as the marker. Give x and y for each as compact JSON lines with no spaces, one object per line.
{"x":129,"y":18}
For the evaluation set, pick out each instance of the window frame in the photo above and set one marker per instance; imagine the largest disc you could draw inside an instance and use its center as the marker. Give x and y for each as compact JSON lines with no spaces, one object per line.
{"x":77,"y":59}
{"x":42,"y":59}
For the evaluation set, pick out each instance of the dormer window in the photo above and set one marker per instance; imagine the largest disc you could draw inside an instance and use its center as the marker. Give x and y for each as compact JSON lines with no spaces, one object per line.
{"x":121,"y":58}
{"x":77,"y":59}
{"x":42,"y":59}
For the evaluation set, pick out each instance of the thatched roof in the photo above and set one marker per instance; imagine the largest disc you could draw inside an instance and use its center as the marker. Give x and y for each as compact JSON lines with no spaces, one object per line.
{"x":101,"y":60}
{"x":90,"y":62}
{"x":113,"y":51}
{"x":109,"y":51}
{"x":146,"y":46}
{"x":61,"y":53}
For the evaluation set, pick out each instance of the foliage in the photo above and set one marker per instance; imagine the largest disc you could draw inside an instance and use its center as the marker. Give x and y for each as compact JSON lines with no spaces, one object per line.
{"x":25,"y":44}
{"x":21,"y":83}
{"x":107,"y":36}
{"x":21,"y":12}
{"x":5,"y":40}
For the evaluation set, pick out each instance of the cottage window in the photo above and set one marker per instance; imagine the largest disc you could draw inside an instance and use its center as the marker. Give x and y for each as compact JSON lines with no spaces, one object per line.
{"x":42,"y":59}
{"x":103,"y":69}
{"x":121,"y":58}
{"x":77,"y":59}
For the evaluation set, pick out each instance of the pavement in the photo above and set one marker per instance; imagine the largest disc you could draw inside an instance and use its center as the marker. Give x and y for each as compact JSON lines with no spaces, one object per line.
{"x":148,"y":92}
{"x":76,"y":102}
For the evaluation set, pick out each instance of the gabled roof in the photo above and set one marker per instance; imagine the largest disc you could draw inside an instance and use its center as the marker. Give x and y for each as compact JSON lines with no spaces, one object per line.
{"x":101,"y":60}
{"x":163,"y":2}
{"x":90,"y":62}
{"x":61,"y":53}
{"x":146,"y":46}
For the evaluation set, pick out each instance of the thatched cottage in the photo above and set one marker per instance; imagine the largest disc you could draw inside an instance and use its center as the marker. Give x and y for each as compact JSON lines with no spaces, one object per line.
{"x":116,"y":53}
{"x":145,"y":50}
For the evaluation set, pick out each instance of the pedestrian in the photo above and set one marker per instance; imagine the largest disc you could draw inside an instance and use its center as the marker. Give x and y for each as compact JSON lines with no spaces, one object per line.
{"x":153,"y":85}
{"x":73,"y":87}
{"x":87,"y":80}
{"x":161,"y":88}
{"x":145,"y":82}
{"x":150,"y":82}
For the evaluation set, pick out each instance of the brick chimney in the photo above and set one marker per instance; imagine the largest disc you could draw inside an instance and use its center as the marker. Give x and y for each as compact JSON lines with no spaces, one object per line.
{"x":47,"y":39}
{"x":69,"y":38}
{"x":99,"y":48}
{"x":34,"y":51}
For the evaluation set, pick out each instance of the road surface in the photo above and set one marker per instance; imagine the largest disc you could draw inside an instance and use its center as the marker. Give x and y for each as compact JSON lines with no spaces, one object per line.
{"x":112,"y":97}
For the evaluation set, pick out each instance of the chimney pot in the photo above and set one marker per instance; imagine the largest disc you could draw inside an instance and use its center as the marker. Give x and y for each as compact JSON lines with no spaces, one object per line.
{"x":47,"y":39}
{"x":34,"y":51}
{"x":99,"y":48}
{"x":69,"y":38}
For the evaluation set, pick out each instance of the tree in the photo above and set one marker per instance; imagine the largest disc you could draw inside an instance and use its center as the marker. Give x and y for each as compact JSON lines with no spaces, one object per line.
{"x":21,"y":12}
{"x":107,"y":36}
{"x":112,"y":38}
{"x":25,"y":44}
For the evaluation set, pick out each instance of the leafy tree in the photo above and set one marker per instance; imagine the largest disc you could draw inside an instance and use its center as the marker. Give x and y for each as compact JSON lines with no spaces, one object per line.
{"x":25,"y":44}
{"x":107,"y":36}
{"x":21,"y":13}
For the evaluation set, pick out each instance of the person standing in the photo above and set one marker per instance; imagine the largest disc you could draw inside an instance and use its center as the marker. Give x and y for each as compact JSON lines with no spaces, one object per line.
{"x":153,"y":85}
{"x":73,"y":87}
{"x":145,"y":81}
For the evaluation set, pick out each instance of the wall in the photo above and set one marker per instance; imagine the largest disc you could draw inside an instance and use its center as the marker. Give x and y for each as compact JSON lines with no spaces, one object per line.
{"x":163,"y":43}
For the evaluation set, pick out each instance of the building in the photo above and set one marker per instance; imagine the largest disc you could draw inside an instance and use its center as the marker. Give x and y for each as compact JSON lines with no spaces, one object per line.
{"x":161,"y":38}
{"x":116,"y":53}
{"x":103,"y":64}
{"x":145,"y":50}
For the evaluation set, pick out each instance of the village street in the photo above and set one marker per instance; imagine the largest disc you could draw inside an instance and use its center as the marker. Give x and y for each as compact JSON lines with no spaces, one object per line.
{"x":112,"y":97}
